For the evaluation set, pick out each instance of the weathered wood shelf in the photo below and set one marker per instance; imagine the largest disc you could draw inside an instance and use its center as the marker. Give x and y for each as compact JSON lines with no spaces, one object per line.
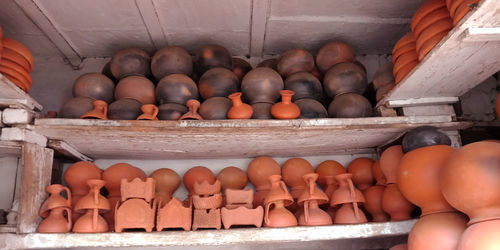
{"x":10,"y":149}
{"x":13,"y":96}
{"x":360,"y":236}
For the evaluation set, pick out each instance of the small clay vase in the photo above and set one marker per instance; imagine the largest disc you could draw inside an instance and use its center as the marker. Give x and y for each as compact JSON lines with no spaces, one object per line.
{"x":378,"y":174}
{"x":271,"y":63}
{"x":350,"y":105}
{"x":292,"y":171}
{"x":262,"y":85}
{"x":130,"y":62}
{"x":373,"y":203}
{"x":333,"y":53}
{"x":76,"y":107}
{"x":192,"y":114}
{"x":149,"y":112}
{"x":347,"y":77}
{"x":484,"y":235}
{"x":349,"y":213}
{"x":232,"y":178}
{"x":240,"y":67}
{"x":295,"y":60}
{"x":305,"y":85}
{"x":55,"y":199}
{"x":239,"y":110}
{"x":57,"y":221}
{"x":259,"y":170}
{"x":167,"y":181}
{"x":395,"y":204}
{"x":346,"y":192}
{"x":262,"y":110}
{"x":285,"y":109}
{"x":389,"y":162}
{"x":171,"y":60}
{"x":218,"y":82}
{"x":197,"y":174}
{"x":424,"y":136}
{"x":176,"y":88}
{"x":77,"y":175}
{"x":124,"y":109}
{"x":215,"y":108}
{"x":328,"y":168}
{"x":361,"y":170}
{"x":212,"y":56}
{"x":171,"y":111}
{"x":438,"y":231}
{"x":310,"y":109}
{"x":100,"y":111}
{"x":383,"y":76}
{"x":136,"y":87}
{"x":310,"y":199}
{"x":94,"y":85}
{"x":279,"y":198}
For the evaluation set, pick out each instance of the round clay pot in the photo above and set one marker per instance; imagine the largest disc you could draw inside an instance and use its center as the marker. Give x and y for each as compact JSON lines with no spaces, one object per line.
{"x":94,"y":85}
{"x":76,"y":107}
{"x":411,"y":47}
{"x":430,"y":19}
{"x":383,"y":91}
{"x":343,"y":78}
{"x":361,"y":170}
{"x":313,"y":215}
{"x":176,"y":88}
{"x":269,"y":63}
{"x":404,"y":60}
{"x":333,"y":53}
{"x":424,"y":136}
{"x":77,"y":175}
{"x":310,"y":108}
{"x":136,"y":87}
{"x":171,"y":111}
{"x":262,"y":110}
{"x":197,"y":174}
{"x":403,"y":41}
{"x":436,"y":28}
{"x":259,"y":170}
{"x":395,"y":204}
{"x":295,"y":60}
{"x":19,"y":48}
{"x":215,"y":108}
{"x":58,"y":221}
{"x":437,"y":231}
{"x":241,"y":67}
{"x":212,"y":56}
{"x":389,"y":163}
{"x":462,"y":10}
{"x":285,"y":109}
{"x":262,"y":85}
{"x":373,"y":203}
{"x":232,"y":178}
{"x":470,"y":180}
{"x":305,"y":85}
{"x":347,"y":214}
{"x":430,"y":44}
{"x":124,"y":109}
{"x":426,"y":9}
{"x":130,"y":62}
{"x":292,"y":171}
{"x":383,"y":76}
{"x":218,"y":82}
{"x":115,"y":173}
{"x":349,"y":105}
{"x":171,"y":60}
{"x":91,"y":222}
{"x":239,"y":110}
{"x":484,"y":235}
{"x":403,"y":72}
{"x":328,"y":168}
{"x":378,"y":174}
{"x":106,"y":70}
{"x":166,"y":182}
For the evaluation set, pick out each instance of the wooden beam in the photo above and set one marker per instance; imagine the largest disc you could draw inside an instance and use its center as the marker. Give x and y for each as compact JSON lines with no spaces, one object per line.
{"x":22,"y":135}
{"x":150,"y":17}
{"x":12,"y":116}
{"x":12,"y":96}
{"x":67,"y":150}
{"x":424,"y":101}
{"x":258,"y":22}
{"x":477,"y":34}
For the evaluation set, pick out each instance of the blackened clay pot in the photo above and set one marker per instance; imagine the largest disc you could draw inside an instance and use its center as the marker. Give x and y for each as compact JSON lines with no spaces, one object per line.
{"x":176,"y":88}
{"x":130,"y":62}
{"x":350,"y":105}
{"x":262,"y":85}
{"x":305,"y":85}
{"x":212,"y":56}
{"x":94,"y":85}
{"x":218,"y":82}
{"x":124,"y":109}
{"x":171,"y":111}
{"x":215,"y":108}
{"x":171,"y":60}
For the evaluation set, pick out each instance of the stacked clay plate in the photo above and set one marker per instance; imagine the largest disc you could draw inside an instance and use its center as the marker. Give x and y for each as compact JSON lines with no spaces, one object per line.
{"x":459,"y":8}
{"x":404,"y":57}
{"x":16,"y":62}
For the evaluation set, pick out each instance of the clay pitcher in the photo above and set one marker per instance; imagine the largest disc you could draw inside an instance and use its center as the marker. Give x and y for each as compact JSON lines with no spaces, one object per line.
{"x":58,"y":221}
{"x":349,"y":213}
{"x":55,"y":200}
{"x":239,"y":110}
{"x":285,"y":109}
{"x":149,"y":112}
{"x":259,"y":170}
{"x":76,"y":176}
{"x":346,"y":192}
{"x":100,"y":111}
{"x":311,"y":198}
{"x":92,"y":203}
{"x":278,"y":197}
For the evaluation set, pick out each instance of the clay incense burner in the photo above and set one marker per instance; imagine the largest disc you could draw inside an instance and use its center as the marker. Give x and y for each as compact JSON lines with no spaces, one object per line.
{"x":192,"y":114}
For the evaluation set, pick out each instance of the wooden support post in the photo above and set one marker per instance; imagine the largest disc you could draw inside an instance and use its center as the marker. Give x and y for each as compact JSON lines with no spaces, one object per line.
{"x":36,"y":174}
{"x":430,"y":110}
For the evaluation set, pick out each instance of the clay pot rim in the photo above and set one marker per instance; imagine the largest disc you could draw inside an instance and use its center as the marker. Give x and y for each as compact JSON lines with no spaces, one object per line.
{"x":287,"y":92}
{"x":442,"y":25}
{"x":19,"y":48}
{"x":10,"y":55}
{"x":426,"y":9}
{"x":430,"y":44}
{"x":234,"y":95}
{"x":430,"y":19}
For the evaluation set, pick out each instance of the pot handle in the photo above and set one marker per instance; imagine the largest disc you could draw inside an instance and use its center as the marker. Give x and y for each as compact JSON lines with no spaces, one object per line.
{"x":266,"y":213}
{"x":68,"y":211}
{"x":155,"y":111}
{"x":356,"y":210}
{"x":95,"y":217}
{"x":351,"y":189}
{"x":306,"y":211}
{"x":69,"y":195}
{"x":283,"y":186}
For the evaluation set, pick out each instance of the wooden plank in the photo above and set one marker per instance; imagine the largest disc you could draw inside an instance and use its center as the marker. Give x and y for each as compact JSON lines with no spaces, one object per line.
{"x":12,"y":116}
{"x":150,"y":18}
{"x":67,"y":150}
{"x":260,"y":15}
{"x":430,"y":110}
{"x":7,"y":228}
{"x":10,"y":149}
{"x":1,"y":123}
{"x":368,"y":233}
{"x":13,"y":96}
{"x":22,"y":135}
{"x":37,"y":169}
{"x":478,"y":34}
{"x":425,"y":101}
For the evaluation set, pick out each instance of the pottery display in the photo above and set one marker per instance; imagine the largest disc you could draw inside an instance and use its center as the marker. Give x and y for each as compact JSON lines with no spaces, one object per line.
{"x":176,"y":88}
{"x":94,"y":204}
{"x":350,"y":105}
{"x":258,"y":172}
{"x":239,"y":209}
{"x":437,"y":231}
{"x":389,"y":162}
{"x":328,"y":168}
{"x":218,"y":82}
{"x":310,"y":199}
{"x":293,"y":61}
{"x":271,"y":63}
{"x":424,"y":136}
{"x":241,"y":67}
{"x":174,"y":214}
{"x":197,"y":174}
{"x":424,"y":10}
{"x":76,"y":107}
{"x":239,"y":110}
{"x":373,"y":203}
{"x":262,"y":110}
{"x":171,"y":111}
{"x":149,"y":112}
{"x":346,"y":77}
{"x":484,"y":235}
{"x":136,"y":209}
{"x":285,"y":109}
{"x":94,"y":85}
{"x":305,"y":85}
{"x":277,"y":199}
{"x":384,"y":76}
{"x":100,"y":111}
{"x":19,"y":48}
{"x":192,"y":114}
{"x":361,"y":170}
{"x":130,"y":62}
{"x":215,"y":108}
{"x":292,"y":171}
{"x":333,"y":53}
{"x":171,"y":60}
{"x":395,"y":204}
{"x":430,"y":19}
{"x":136,"y":87}
{"x":262,"y":85}
{"x":124,"y":109}
{"x":463,"y":9}
{"x":58,"y":221}
{"x":167,"y":181}
{"x":232,"y":178}
{"x":212,"y":56}
{"x":310,"y":108}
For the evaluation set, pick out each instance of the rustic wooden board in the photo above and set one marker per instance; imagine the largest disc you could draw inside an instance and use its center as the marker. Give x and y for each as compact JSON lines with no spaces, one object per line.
{"x":230,"y":138}
{"x":10,"y":149}
{"x":13,"y":96}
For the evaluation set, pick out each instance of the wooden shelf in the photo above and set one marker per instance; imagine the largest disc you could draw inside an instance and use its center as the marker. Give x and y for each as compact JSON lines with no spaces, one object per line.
{"x":13,"y":96}
{"x":10,"y":149}
{"x":362,"y":235}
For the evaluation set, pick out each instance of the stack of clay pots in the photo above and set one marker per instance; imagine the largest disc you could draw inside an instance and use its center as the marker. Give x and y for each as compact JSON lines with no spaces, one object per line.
{"x":277,"y":199}
{"x":404,"y":57}
{"x":92,"y":205}
{"x":207,"y":201}
{"x":239,"y":209}
{"x":137,"y":207}
{"x":56,"y":211}
{"x":459,"y":8}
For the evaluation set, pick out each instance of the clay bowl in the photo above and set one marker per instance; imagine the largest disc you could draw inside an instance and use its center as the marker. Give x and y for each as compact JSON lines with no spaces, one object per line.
{"x":124,"y":109}
{"x":262,"y":85}
{"x":411,"y":47}
{"x":130,"y":62}
{"x":343,"y":78}
{"x":295,"y":60}
{"x":382,"y":91}
{"x":10,"y":55}
{"x":215,"y":108}
{"x":424,"y":136}
{"x":136,"y":87}
{"x":262,"y":110}
{"x":176,"y":88}
{"x":24,"y":79}
{"x":94,"y":85}
{"x":430,"y":19}
{"x":438,"y":27}
{"x":20,"y":49}
{"x":76,"y":107}
{"x":462,"y":10}
{"x":402,"y":73}
{"x":430,"y":44}
{"x":212,"y":56}
{"x":218,"y":82}
{"x":383,"y":75}
{"x":403,"y":41}
{"x":404,"y":60}
{"x":425,"y":10}
{"x":171,"y":111}
{"x":305,"y":85}
{"x":349,"y":105}
{"x":171,"y":60}
{"x":333,"y":53}
{"x":269,"y":63}
{"x":310,"y":108}
{"x":240,"y":67}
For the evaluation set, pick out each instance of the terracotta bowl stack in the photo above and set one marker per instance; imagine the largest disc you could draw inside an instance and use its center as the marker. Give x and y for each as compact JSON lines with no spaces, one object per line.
{"x":404,"y":56}
{"x":459,"y":8}
{"x":16,"y":62}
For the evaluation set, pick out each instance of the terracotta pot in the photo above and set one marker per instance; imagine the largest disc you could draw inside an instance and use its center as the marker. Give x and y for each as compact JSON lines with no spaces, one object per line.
{"x":310,"y":108}
{"x":409,"y":48}
{"x":239,"y":110}
{"x":12,"y":56}
{"x":136,"y":87}
{"x":402,"y":73}
{"x":58,"y":221}
{"x":463,"y":9}
{"x":77,"y":175}
{"x":192,"y":114}
{"x":232,"y":178}
{"x":347,"y":77}
{"x":93,"y":199}
{"x":293,"y":61}
{"x":285,"y":109}
{"x":269,"y":63}
{"x":430,"y":19}
{"x":426,"y":9}
{"x":437,"y":231}
{"x":383,"y":91}
{"x":215,"y":108}
{"x":395,"y":204}
{"x":94,"y":85}
{"x":312,"y":192}
{"x":470,"y":169}
{"x":484,"y":235}
{"x":212,"y":56}
{"x":240,"y":67}
{"x":20,"y":74}
{"x":130,"y":62}
{"x":403,"y":41}
{"x":373,"y":203}
{"x":305,"y":85}
{"x":176,"y":88}
{"x":328,"y":168}
{"x":149,"y":112}
{"x":399,"y":247}
{"x":19,"y":48}
{"x":167,"y":181}
{"x":430,"y":44}
{"x":218,"y":82}
{"x":55,"y":199}
{"x":424,"y":136}
{"x":436,"y":28}
{"x":171,"y":111}
{"x":333,"y":53}
{"x":76,"y":107}
{"x":378,"y":174}
{"x":361,"y":170}
{"x":350,"y":105}
{"x":262,"y":85}
{"x":100,"y":111}
{"x":346,"y":192}
{"x":277,"y":191}
{"x":349,"y":214}
{"x":292,"y":171}
{"x":278,"y":197}
{"x":389,"y":162}
{"x":259,"y":170}
{"x":262,"y":110}
{"x":124,"y":109}
{"x":331,"y":186}
{"x":106,"y":70}
{"x":383,"y":76}
{"x":91,"y":222}
{"x":171,"y":60}
{"x":404,"y":60}
{"x":310,"y":199}
{"x":197,"y":174}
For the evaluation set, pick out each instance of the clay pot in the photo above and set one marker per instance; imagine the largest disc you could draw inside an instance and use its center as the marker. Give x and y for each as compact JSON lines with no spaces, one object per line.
{"x":399,"y":247}
{"x":389,"y":162}
{"x":167,"y":181}
{"x":305,"y":85}
{"x":58,"y":221}
{"x":436,"y":28}
{"x":77,"y":175}
{"x":292,"y":171}
{"x":350,"y":105}
{"x":232,"y":178}
{"x":409,"y":48}
{"x":240,"y":67}
{"x":378,"y":174}
{"x":285,"y":109}
{"x":94,"y":85}
{"x":473,"y":169}
{"x":130,"y":62}
{"x":55,"y":199}
{"x":484,"y":235}
{"x":310,"y":108}
{"x":455,"y":5}
{"x":106,"y":70}
{"x":262,"y":110}
{"x":176,"y":88}
{"x":100,"y":111}
{"x":333,"y":53}
{"x":402,"y":73}
{"x":93,"y":199}
{"x":426,"y":9}
{"x":346,"y":192}
{"x":395,"y":204}
{"x":347,"y":77}
{"x":136,"y":87}
{"x":19,"y":48}
{"x":383,"y":76}
{"x":212,"y":56}
{"x":124,"y":109}
{"x":171,"y":111}
{"x":312,"y":192}
{"x":192,"y":114}
{"x":463,"y":9}
{"x":218,"y":82}
{"x":437,"y":231}
{"x":383,"y":91}
{"x":424,"y":136}
{"x":361,"y":170}
{"x":373,"y":203}
{"x":310,"y":199}
{"x":278,"y":197}
{"x":215,"y":108}
{"x":22,"y":80}
{"x":430,"y":19}
{"x":239,"y":110}
{"x":328,"y":168}
{"x":171,"y":60}
{"x":403,"y":41}
{"x":349,"y":214}
{"x":269,"y":63}
{"x":259,"y":171}
{"x":428,"y":45}
{"x":76,"y":107}
{"x":91,"y":222}
{"x":197,"y":174}
{"x":149,"y":112}
{"x":295,"y":60}
{"x":262,"y":85}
